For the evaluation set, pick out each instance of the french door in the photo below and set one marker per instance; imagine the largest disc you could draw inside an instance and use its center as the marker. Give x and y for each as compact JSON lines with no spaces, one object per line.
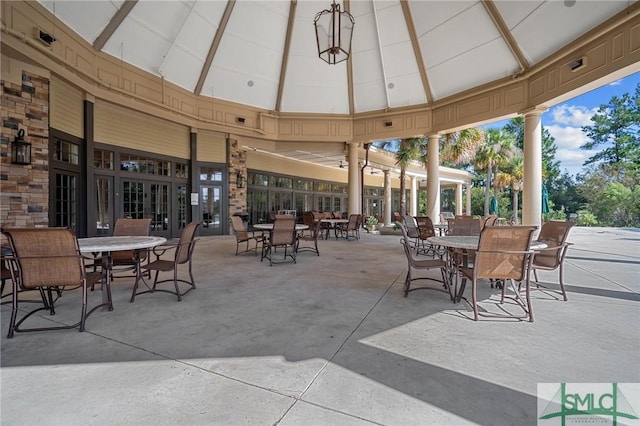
{"x":211,"y":206}
{"x":147,"y":199}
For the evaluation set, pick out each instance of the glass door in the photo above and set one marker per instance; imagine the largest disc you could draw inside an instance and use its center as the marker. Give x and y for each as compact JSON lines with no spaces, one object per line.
{"x":211,"y":209}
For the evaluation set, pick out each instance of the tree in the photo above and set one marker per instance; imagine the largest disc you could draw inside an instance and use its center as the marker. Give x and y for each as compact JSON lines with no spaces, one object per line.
{"x":616,"y":128}
{"x":550,"y":166}
{"x":459,"y":148}
{"x":407,"y":150}
{"x":512,"y":177}
{"x":498,"y":147}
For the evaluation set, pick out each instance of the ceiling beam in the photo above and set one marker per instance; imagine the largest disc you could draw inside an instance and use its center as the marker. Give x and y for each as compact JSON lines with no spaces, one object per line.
{"x":506,"y":34}
{"x":352,"y":105}
{"x":285,"y":54}
{"x":224,"y":20}
{"x":113,"y":24}
{"x":416,"y":50}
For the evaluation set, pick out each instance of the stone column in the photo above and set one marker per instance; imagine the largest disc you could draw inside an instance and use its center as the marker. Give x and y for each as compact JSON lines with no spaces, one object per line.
{"x":468,"y":207}
{"x":433,"y":176}
{"x":532,"y":182}
{"x":237,"y":164}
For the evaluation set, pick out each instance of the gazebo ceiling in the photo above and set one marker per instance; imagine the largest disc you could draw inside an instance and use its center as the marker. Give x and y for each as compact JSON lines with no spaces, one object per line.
{"x":263,"y":53}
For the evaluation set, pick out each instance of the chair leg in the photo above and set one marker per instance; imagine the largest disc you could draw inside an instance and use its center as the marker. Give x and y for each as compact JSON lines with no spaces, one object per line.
{"x":175,"y":283}
{"x":561,"y":280}
{"x":474,"y":300}
{"x":83,"y":318}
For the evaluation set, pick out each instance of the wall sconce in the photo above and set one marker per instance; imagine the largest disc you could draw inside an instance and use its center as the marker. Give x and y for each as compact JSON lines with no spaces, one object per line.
{"x":20,"y":150}
{"x":239,"y":179}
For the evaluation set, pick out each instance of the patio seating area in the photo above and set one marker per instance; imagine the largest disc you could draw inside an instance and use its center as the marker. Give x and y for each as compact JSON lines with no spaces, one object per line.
{"x":329,"y":340}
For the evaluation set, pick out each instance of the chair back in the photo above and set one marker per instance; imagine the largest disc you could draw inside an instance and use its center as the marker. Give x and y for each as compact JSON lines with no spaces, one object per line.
{"x":308,"y":219}
{"x":406,"y":244}
{"x":353,"y":222}
{"x":491,"y":220}
{"x":337,"y":215}
{"x":503,"y":252}
{"x":284,"y":231}
{"x":425,"y":227}
{"x":464,"y":226}
{"x":127,"y":227}
{"x":238,"y":227}
{"x":554,"y":234}
{"x":187,"y":242}
{"x":46,"y":256}
{"x":412,"y":227}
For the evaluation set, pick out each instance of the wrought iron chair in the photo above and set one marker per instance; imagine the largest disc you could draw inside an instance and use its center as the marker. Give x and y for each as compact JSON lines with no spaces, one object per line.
{"x":554,"y":234}
{"x":182,"y":254}
{"x":252,"y":239}
{"x":127,"y":260}
{"x":350,"y":229}
{"x":425,"y":231}
{"x":49,"y":259}
{"x":308,"y":236}
{"x":413,"y":234}
{"x":421,"y":265}
{"x":503,"y":254}
{"x":284,"y":235}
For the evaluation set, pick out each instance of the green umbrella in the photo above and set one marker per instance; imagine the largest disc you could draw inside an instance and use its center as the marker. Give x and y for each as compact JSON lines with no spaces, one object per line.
{"x":545,"y":199}
{"x":493,"y":206}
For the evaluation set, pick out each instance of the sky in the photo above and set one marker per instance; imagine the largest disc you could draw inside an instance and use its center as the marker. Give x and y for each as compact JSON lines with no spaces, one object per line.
{"x":565,"y":120}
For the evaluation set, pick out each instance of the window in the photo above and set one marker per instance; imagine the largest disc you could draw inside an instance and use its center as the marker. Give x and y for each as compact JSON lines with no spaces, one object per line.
{"x":136,"y":164}
{"x":210,"y":174}
{"x":103,"y":159}
{"x":182,"y":170}
{"x":67,"y":152}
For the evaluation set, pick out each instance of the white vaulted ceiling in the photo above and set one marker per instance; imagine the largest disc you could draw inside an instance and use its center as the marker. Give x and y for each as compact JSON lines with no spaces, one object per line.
{"x":404,"y":53}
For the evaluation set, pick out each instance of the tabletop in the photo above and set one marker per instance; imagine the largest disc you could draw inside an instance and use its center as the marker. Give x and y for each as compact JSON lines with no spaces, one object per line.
{"x":470,"y":242}
{"x":334,"y":221}
{"x":103,"y":244}
{"x":269,"y":226}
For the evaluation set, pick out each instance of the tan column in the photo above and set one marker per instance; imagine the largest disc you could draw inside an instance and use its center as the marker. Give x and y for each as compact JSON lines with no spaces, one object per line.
{"x":468,"y":207}
{"x":532,"y":182}
{"x":433,"y":176}
{"x":354,"y":179}
{"x":387,"y":198}
{"x":458,"y":198}
{"x":413,"y":197}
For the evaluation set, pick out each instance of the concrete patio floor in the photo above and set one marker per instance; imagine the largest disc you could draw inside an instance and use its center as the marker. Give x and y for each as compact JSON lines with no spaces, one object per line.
{"x":327,"y":341}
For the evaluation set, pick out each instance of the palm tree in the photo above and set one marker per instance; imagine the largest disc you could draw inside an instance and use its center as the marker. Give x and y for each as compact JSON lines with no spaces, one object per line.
{"x":406,"y":151}
{"x":498,"y":147}
{"x":459,"y":148}
{"x":512,"y":176}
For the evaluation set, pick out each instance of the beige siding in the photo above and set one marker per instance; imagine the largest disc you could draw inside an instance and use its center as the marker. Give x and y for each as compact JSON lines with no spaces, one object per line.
{"x":123,"y":127}
{"x":282,"y":165}
{"x":66,"y":112}
{"x":212,"y":147}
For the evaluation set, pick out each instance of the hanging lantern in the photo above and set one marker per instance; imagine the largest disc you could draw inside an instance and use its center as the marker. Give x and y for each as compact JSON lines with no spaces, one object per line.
{"x":334,"y":30}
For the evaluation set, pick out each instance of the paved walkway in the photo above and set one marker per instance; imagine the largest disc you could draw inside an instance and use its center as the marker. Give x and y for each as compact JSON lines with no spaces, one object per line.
{"x":328,"y":341}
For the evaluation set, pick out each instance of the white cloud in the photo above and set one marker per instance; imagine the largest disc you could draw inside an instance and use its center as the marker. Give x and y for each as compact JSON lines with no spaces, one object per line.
{"x":616,"y":83}
{"x":573,"y":115}
{"x":568,"y":141}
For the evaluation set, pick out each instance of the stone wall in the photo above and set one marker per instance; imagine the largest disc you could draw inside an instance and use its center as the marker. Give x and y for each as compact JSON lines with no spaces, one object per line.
{"x":237,"y":162}
{"x":24,"y":189}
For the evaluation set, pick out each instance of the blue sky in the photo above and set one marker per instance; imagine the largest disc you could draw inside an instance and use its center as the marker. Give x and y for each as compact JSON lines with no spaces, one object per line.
{"x":564,"y":121}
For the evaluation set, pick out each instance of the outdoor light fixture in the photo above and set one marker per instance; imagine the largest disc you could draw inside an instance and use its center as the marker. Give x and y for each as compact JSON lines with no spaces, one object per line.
{"x":20,"y":150}
{"x":239,"y":179}
{"x":334,"y":30}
